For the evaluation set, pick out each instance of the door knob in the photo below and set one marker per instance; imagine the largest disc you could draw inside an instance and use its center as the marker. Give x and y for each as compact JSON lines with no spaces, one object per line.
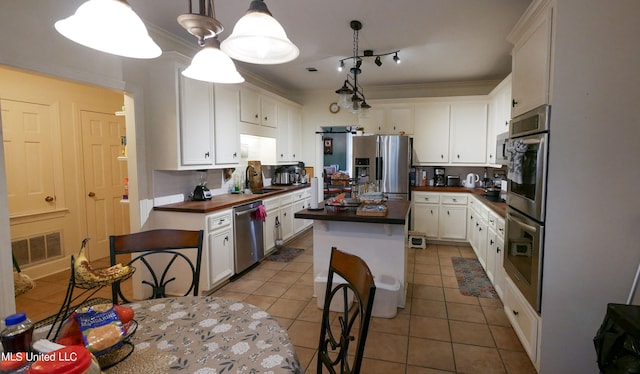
{"x":92,"y":194}
{"x":49,"y":199}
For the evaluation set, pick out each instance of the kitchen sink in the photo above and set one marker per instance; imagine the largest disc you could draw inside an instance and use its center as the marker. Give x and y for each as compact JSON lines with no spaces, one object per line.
{"x":265,"y":190}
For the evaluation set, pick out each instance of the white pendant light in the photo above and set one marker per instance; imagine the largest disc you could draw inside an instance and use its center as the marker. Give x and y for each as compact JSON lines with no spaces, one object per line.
{"x":212,"y":65}
{"x":258,"y":38}
{"x":109,"y":26}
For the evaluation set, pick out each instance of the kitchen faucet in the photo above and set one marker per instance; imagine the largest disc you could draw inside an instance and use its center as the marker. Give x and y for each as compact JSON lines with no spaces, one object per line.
{"x":246,"y":175}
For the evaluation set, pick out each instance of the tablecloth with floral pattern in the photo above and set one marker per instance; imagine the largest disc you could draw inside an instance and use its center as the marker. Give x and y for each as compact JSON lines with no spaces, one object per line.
{"x":207,"y":334}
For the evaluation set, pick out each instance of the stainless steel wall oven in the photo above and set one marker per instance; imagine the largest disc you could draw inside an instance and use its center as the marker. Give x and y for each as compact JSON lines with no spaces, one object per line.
{"x":527,"y":150}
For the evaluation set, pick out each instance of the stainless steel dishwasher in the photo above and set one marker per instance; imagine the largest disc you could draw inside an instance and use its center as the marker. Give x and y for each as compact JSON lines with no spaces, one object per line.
{"x":248,"y":236}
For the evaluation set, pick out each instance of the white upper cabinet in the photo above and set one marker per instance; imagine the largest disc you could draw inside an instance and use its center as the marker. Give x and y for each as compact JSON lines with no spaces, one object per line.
{"x":431,"y":133}
{"x":181,"y":112}
{"x":227,"y":137}
{"x":469,"y":132}
{"x":257,"y":109}
{"x":499,"y":115}
{"x":269,"y":112}
{"x":531,"y":62}
{"x":389,"y":119}
{"x":289,"y":134}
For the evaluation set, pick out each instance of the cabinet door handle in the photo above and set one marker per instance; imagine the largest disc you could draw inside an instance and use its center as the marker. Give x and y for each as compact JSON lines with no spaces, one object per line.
{"x":266,"y":118}
{"x":498,"y":249}
{"x":206,"y":155}
{"x":257,"y":116}
{"x":477,"y":224}
{"x":294,"y":155}
{"x":479,"y":228}
{"x":91,"y":194}
{"x":284,"y":214}
{"x":49,"y":199}
{"x":426,"y":199}
{"x":431,"y":211}
{"x":442,"y":156}
{"x":515,"y":313}
{"x":235,"y":154}
{"x":226,"y":238}
{"x":455,"y":200}
{"x":490,"y":241}
{"x":514,"y":103}
{"x":458,"y":156}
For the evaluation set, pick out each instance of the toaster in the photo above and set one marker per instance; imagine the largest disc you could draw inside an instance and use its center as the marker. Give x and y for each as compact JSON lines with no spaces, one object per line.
{"x":453,"y":180}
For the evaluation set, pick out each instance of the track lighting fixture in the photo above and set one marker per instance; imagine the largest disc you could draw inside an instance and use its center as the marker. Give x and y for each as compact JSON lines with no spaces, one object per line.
{"x":351,"y":95}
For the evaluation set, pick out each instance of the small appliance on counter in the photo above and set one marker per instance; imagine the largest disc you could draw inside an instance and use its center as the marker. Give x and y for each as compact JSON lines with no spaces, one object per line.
{"x":438,"y":177}
{"x":471,"y":180}
{"x":283,"y":176}
{"x":201,"y":192}
{"x":453,"y":181}
{"x":298,"y":174}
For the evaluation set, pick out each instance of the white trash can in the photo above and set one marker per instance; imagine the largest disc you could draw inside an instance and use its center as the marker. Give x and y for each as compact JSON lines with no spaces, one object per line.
{"x":385,"y":302}
{"x":320,"y":287}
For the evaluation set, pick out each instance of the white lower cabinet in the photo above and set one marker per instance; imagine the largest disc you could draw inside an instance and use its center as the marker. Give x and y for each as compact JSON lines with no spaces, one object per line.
{"x":425,"y":217}
{"x":495,"y":245}
{"x":217,"y":249}
{"x":280,"y":211}
{"x":522,"y":317}
{"x":272,"y":207}
{"x":440,"y":216}
{"x":220,"y":244}
{"x":478,"y":233}
{"x":453,"y":217}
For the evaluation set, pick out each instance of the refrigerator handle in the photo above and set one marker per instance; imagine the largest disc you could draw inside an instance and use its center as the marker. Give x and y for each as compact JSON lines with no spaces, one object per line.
{"x":378,"y":168}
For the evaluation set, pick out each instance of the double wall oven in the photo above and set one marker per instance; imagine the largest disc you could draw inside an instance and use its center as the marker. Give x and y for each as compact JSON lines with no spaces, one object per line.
{"x":527,"y":150}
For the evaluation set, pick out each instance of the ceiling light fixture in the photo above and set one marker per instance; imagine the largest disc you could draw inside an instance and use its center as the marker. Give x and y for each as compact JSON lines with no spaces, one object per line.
{"x":258,"y":38}
{"x":210,"y":64}
{"x":109,"y":26}
{"x":351,"y":95}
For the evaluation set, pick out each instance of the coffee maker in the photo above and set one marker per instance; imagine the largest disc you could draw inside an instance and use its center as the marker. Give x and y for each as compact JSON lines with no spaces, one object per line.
{"x":438,"y":177}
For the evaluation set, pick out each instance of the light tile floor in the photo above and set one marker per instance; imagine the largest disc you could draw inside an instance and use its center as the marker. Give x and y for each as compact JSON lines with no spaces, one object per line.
{"x":439,"y":330}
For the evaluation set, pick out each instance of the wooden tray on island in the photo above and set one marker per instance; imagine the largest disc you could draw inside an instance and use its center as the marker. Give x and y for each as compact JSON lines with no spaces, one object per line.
{"x":372,"y":210}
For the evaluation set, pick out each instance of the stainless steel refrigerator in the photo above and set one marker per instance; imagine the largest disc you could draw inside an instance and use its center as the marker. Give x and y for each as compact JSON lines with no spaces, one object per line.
{"x":385,"y":160}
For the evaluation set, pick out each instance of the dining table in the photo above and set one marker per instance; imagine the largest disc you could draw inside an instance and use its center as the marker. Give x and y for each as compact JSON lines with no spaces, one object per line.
{"x":206,"y":334}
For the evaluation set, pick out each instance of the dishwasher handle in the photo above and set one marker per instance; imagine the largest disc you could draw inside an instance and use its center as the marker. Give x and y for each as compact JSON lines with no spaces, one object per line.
{"x":243,"y":212}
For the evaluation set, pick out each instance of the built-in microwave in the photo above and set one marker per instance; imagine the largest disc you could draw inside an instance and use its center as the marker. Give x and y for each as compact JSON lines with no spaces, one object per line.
{"x":501,"y":148}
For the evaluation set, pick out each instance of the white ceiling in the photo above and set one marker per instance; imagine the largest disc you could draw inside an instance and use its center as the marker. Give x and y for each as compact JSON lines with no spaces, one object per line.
{"x":439,"y":40}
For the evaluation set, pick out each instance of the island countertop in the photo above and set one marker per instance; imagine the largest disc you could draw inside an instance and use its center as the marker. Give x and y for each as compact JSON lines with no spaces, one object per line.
{"x":397,"y":211}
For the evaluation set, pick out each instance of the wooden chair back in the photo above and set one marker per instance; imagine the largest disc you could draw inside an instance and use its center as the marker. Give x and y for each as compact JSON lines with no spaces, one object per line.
{"x":353,"y":321}
{"x":142,"y":246}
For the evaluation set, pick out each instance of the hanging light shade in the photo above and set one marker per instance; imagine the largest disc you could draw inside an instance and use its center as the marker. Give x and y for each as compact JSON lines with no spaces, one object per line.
{"x":109,"y":26}
{"x":258,"y":38}
{"x":212,"y":65}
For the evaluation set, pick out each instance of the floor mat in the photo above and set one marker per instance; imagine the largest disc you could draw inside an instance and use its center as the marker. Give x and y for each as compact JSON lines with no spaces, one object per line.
{"x":285,"y":254}
{"x":472,"y":280}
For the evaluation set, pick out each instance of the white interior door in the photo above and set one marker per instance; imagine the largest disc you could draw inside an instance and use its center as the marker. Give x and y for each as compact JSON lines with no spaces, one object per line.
{"x":28,"y":134}
{"x":104,"y":177}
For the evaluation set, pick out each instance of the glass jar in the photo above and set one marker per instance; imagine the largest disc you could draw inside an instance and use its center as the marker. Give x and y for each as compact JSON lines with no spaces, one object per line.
{"x":17,"y":335}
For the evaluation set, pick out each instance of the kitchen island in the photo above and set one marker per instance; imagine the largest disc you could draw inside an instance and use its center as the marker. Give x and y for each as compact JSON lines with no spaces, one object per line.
{"x":379,"y":240}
